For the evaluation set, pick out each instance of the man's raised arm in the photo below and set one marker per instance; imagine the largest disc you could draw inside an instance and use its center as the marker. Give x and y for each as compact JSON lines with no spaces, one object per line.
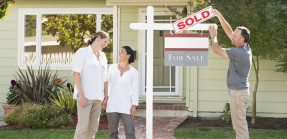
{"x":227,"y":28}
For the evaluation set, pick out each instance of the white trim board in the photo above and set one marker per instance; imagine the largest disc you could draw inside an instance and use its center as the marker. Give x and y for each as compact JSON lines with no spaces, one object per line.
{"x":42,"y":11}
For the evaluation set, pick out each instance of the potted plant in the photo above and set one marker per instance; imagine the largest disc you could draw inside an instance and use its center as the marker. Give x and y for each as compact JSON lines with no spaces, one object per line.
{"x":12,"y":98}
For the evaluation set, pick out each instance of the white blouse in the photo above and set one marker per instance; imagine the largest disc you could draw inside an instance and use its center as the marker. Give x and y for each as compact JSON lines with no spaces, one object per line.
{"x":123,"y":90}
{"x":93,"y":73}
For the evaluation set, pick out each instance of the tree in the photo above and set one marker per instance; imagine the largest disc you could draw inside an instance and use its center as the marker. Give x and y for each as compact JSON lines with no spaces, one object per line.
{"x":280,"y":16}
{"x":266,"y":19}
{"x":4,"y":4}
{"x":268,"y":40}
{"x":71,"y":30}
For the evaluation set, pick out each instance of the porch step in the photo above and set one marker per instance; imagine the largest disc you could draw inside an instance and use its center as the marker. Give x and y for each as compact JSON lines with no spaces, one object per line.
{"x":163,"y":111}
{"x":163,"y":107}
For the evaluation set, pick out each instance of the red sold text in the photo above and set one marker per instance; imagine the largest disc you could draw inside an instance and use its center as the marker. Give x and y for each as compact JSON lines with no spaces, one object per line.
{"x":193,"y":19}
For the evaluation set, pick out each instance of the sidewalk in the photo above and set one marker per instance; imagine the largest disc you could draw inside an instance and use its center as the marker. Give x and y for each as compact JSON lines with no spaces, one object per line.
{"x":163,"y":127}
{"x":2,"y":124}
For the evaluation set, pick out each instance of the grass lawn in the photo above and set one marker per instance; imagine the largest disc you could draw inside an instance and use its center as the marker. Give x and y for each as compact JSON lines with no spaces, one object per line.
{"x":45,"y":134}
{"x":211,"y":133}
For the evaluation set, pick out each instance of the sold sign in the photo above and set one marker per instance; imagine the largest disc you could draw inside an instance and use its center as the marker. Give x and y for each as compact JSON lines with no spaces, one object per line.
{"x":193,"y":19}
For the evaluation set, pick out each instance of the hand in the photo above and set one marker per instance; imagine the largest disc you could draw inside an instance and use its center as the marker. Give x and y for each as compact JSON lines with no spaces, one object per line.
{"x":133,"y":111}
{"x":82,"y":101}
{"x":216,"y":13}
{"x":212,"y":31}
{"x":104,"y":104}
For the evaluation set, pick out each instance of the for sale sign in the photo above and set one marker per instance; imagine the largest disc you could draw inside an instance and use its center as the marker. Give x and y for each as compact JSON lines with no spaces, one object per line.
{"x":186,"y":49}
{"x":193,"y":19}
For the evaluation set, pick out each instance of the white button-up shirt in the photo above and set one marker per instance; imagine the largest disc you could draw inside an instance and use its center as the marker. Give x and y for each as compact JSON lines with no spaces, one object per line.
{"x":123,"y":90}
{"x":93,"y":73}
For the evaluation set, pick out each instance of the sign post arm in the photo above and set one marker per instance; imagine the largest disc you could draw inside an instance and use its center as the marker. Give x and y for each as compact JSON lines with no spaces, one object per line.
{"x":167,"y":26}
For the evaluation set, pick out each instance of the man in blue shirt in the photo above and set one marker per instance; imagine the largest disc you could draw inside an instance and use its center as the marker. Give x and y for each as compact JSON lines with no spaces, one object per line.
{"x":238,"y":72}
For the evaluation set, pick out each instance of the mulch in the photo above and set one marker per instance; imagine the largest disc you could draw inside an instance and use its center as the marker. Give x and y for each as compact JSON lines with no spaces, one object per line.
{"x":261,"y":123}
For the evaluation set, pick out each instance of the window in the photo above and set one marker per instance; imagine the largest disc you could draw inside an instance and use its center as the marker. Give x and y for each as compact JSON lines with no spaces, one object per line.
{"x":51,"y":36}
{"x":165,"y":78}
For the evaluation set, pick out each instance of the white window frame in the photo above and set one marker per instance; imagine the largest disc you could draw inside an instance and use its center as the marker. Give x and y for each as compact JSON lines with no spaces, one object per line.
{"x":22,"y":12}
{"x":142,"y":43}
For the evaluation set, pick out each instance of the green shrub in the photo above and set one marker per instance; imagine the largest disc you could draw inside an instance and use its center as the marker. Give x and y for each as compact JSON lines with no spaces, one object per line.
{"x":13,"y":97}
{"x":226,"y":111}
{"x":37,"y":86}
{"x":38,"y":116}
{"x":65,"y":101}
{"x":103,"y":113}
{"x":12,"y":119}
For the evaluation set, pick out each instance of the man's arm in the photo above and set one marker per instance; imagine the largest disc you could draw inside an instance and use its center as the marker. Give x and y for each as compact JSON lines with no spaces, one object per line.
{"x":216,"y":48}
{"x":227,"y":28}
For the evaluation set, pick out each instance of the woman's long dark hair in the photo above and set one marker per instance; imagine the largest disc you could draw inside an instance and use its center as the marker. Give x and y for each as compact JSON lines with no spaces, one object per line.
{"x":130,"y":52}
{"x":102,"y":34}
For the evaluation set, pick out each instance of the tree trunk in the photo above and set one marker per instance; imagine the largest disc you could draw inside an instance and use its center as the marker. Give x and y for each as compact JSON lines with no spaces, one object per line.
{"x":255,"y":63}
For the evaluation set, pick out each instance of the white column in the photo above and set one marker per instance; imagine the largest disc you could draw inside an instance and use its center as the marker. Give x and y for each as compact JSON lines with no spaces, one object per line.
{"x":116,"y":34}
{"x":38,"y":40}
{"x":195,"y":92}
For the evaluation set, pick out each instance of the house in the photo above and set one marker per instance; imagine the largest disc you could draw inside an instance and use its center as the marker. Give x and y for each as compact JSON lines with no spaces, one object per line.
{"x":178,"y":91}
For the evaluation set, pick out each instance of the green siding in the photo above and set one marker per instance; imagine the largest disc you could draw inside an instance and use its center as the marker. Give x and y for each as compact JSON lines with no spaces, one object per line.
{"x":213,"y":92}
{"x":129,"y":37}
{"x":9,"y":37}
{"x":212,"y":89}
{"x":9,"y":53}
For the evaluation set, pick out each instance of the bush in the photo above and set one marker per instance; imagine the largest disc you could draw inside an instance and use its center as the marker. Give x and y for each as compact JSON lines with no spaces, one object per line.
{"x":10,"y":118}
{"x":37,"y":87}
{"x":65,"y":101}
{"x":226,"y":111}
{"x":103,"y":113}
{"x":38,"y":116}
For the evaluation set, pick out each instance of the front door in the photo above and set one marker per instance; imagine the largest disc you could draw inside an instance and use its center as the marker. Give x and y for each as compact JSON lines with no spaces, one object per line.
{"x":165,"y":78}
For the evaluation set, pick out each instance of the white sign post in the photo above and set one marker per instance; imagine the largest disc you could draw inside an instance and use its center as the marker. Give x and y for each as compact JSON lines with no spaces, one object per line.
{"x":150,"y":26}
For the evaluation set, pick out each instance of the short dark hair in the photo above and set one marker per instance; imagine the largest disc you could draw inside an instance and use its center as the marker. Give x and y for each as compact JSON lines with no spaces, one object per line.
{"x":245,"y":33}
{"x":130,"y":51}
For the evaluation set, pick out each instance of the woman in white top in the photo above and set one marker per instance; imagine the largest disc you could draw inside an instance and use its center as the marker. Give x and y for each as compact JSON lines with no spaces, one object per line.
{"x":123,"y":94}
{"x":90,"y":75}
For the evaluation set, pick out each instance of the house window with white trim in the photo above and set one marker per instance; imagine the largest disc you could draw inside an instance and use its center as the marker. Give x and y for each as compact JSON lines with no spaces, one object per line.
{"x":166,"y":79}
{"x":51,"y":36}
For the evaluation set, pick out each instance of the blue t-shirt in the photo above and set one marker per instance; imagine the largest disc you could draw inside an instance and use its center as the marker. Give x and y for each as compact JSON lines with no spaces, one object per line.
{"x":239,"y":67}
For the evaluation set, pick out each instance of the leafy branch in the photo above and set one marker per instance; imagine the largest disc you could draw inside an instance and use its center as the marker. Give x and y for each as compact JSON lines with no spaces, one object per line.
{"x":4,"y":4}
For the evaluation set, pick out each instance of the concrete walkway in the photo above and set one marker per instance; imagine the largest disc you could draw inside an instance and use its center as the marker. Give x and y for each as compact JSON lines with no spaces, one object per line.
{"x":2,"y":124}
{"x":163,"y":127}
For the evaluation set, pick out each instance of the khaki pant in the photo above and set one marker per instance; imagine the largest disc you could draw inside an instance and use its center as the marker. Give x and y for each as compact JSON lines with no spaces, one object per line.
{"x":238,"y":100}
{"x":88,"y":119}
